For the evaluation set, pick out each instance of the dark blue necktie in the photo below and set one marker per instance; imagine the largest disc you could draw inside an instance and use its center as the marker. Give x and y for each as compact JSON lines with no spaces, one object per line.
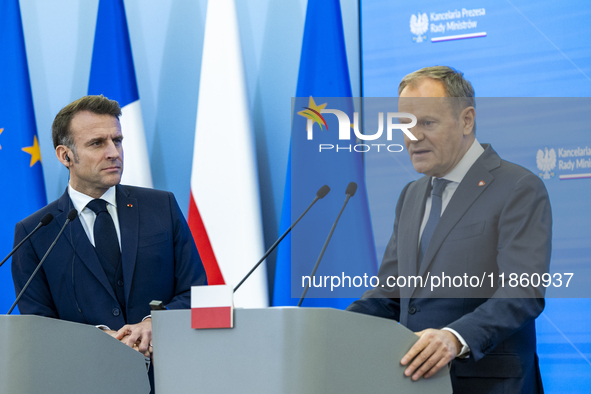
{"x":434,"y":215}
{"x":106,"y":242}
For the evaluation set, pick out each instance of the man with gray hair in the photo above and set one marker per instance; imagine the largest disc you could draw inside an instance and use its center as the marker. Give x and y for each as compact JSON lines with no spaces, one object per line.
{"x":472,"y":213}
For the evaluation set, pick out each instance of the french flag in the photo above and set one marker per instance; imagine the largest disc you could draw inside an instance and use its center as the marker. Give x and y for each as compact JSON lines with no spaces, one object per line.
{"x":224,"y":210}
{"x":112,"y":74}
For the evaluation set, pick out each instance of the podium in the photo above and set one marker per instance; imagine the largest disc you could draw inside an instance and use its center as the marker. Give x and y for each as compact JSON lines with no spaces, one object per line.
{"x":43,"y":355}
{"x":286,"y":350}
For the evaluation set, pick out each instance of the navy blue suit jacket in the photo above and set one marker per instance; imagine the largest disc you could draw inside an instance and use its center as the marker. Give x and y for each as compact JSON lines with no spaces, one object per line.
{"x":498,"y":220}
{"x":158,"y":256}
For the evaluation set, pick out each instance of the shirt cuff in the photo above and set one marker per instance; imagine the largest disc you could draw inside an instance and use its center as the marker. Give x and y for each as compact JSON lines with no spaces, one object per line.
{"x":103,"y":327}
{"x":465,"y":350}
{"x":147,"y":317}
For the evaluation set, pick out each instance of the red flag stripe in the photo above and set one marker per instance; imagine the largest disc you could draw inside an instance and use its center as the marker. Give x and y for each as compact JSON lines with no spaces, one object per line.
{"x":214,"y":275}
{"x":218,"y":317}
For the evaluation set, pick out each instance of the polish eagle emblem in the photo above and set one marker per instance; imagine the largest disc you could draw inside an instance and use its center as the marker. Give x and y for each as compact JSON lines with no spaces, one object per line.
{"x":419,"y":24}
{"x":546,"y":161}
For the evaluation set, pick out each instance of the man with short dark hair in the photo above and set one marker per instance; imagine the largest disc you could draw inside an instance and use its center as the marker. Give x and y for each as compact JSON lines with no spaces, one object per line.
{"x":127,"y":247}
{"x":472,"y":213}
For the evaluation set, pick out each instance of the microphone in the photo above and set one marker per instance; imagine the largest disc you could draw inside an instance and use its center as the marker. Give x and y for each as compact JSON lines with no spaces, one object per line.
{"x":320,"y":194}
{"x":45,"y":220}
{"x":350,"y":192}
{"x":71,"y":216}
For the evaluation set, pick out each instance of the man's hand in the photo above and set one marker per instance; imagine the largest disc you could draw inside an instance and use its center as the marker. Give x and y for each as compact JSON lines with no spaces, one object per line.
{"x":137,"y":336}
{"x":433,"y":350}
{"x":110,"y":332}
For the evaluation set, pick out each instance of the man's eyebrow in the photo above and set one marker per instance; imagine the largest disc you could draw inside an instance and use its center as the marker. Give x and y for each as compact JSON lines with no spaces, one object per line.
{"x":427,"y":116}
{"x":96,"y":139}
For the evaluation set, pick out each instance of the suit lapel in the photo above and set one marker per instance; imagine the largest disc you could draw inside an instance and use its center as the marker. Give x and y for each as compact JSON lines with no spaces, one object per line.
{"x":412,"y":213}
{"x":467,"y":192}
{"x":81,"y":245}
{"x":127,"y":211}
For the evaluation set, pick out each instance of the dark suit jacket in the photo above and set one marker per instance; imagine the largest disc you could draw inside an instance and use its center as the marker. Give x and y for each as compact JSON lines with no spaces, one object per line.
{"x":159,"y":262}
{"x":503,"y":225}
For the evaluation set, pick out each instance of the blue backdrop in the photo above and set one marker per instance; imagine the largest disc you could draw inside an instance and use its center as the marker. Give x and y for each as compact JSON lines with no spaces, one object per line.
{"x":518,"y":48}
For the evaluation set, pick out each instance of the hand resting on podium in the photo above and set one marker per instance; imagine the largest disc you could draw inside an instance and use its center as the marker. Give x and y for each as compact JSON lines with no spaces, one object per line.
{"x":136,"y":336}
{"x":434,"y":350}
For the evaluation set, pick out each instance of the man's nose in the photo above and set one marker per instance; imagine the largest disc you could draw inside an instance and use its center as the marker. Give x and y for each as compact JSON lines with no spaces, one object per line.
{"x":416,"y":131}
{"x":111,"y":152}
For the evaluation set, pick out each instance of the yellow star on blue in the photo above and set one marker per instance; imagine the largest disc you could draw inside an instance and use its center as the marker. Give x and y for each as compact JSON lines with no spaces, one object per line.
{"x":34,"y":151}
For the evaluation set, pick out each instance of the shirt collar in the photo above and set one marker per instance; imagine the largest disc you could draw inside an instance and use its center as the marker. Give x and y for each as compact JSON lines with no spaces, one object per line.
{"x":461,"y":169}
{"x":80,"y":200}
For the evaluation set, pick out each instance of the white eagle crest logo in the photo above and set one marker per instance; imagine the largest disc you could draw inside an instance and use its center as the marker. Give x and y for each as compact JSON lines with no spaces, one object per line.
{"x":419,"y":24}
{"x":546,"y":162}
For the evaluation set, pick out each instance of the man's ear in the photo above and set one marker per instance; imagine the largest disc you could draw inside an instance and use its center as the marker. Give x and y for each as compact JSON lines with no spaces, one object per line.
{"x":468,"y":119}
{"x":64,"y":155}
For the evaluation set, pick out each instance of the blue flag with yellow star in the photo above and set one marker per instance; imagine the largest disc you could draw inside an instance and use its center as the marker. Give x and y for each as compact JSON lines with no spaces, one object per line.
{"x":323,"y":84}
{"x":21,"y":175}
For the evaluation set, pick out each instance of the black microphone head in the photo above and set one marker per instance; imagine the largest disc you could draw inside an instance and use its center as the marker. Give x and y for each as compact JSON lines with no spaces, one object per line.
{"x":323,"y":191}
{"x":72,"y":214}
{"x":351,"y":189}
{"x":45,"y":220}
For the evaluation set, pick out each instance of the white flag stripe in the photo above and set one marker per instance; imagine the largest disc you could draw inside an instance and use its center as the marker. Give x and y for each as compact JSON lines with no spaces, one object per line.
{"x":211,"y":296}
{"x":136,"y":170}
{"x":224,"y":179}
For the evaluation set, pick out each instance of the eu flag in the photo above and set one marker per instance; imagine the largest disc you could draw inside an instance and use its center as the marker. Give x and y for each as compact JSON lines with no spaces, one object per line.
{"x":323,"y":83}
{"x":21,"y":175}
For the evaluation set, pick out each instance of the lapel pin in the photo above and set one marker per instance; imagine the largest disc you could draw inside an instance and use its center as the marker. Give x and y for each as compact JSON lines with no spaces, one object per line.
{"x":481,"y":183}
{"x":129,"y":206}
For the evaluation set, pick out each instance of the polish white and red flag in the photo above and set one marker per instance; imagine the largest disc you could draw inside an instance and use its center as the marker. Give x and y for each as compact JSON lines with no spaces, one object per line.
{"x":211,"y":307}
{"x":224,"y":211}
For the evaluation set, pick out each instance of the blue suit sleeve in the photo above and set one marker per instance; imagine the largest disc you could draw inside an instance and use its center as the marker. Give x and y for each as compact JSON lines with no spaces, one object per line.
{"x":37,"y":299}
{"x":524,"y":246}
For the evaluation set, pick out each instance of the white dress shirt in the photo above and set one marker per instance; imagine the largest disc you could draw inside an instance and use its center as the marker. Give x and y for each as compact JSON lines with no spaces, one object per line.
{"x":455,"y":176}
{"x":87,"y":215}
